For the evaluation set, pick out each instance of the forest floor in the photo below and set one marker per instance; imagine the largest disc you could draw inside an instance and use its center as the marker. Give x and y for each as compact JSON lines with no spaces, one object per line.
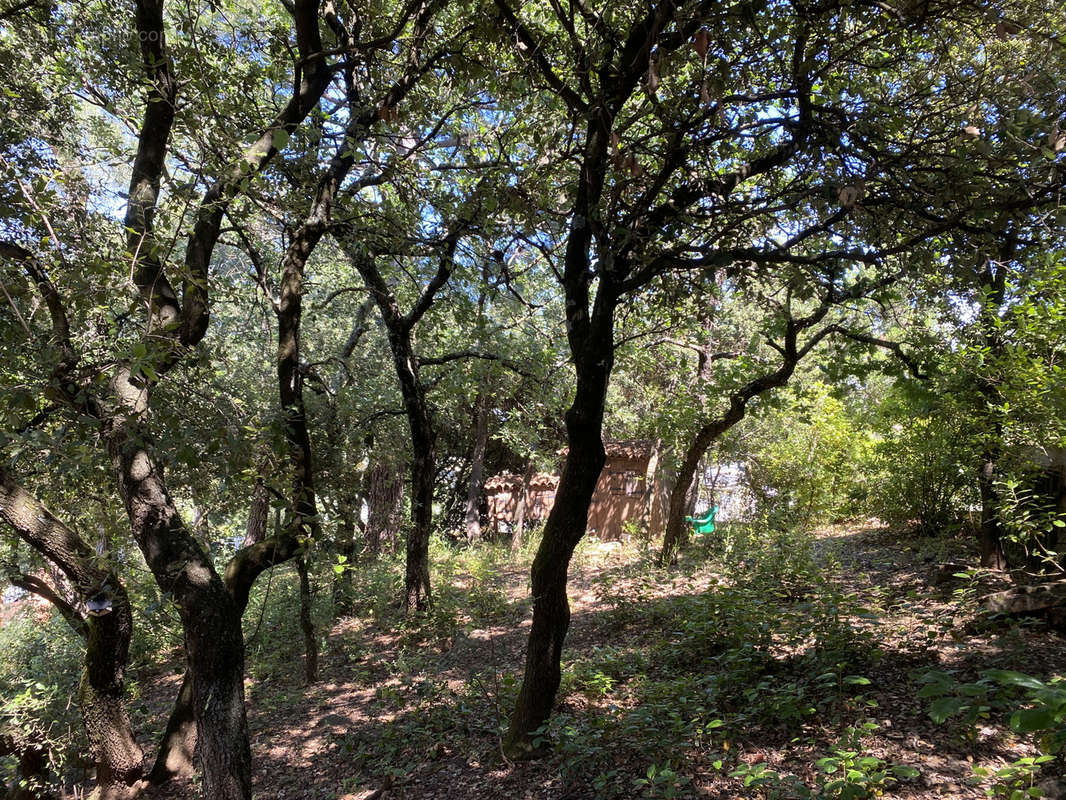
{"x":790,"y":668}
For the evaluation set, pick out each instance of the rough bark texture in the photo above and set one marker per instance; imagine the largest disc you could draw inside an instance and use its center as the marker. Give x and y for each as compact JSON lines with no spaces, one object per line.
{"x":477,"y":469}
{"x":417,"y":595}
{"x":258,"y":512}
{"x":210,"y":618}
{"x":117,"y":755}
{"x":307,"y":626}
{"x":384,"y":494}
{"x":177,"y":748}
{"x":564,"y":529}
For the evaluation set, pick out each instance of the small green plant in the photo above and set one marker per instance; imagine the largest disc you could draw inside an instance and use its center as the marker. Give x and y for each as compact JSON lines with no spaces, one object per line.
{"x":969,"y":702}
{"x":1016,"y":781}
{"x":1042,"y":712}
{"x":1046,"y":714}
{"x":662,"y":781}
{"x":856,"y":776}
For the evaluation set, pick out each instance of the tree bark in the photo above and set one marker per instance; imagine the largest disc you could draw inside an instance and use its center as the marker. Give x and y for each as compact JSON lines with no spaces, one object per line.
{"x":107,"y":636}
{"x":417,"y":596}
{"x":384,"y":491}
{"x":519,"y":530}
{"x":211,"y":619}
{"x":177,"y":748}
{"x":477,"y":469}
{"x":565,"y":527}
{"x":591,"y":340}
{"x":307,"y":625}
{"x":258,"y":511}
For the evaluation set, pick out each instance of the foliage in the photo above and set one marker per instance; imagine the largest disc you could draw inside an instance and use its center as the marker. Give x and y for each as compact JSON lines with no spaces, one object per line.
{"x":922,"y":468}
{"x":802,"y":458}
{"x":39,"y":673}
{"x":1032,"y":706}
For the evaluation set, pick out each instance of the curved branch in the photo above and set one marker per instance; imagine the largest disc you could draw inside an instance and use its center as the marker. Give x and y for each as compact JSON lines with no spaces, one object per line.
{"x":35,"y":585}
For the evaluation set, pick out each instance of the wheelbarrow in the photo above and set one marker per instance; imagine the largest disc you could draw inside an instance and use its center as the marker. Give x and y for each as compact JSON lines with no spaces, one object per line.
{"x":701,"y":526}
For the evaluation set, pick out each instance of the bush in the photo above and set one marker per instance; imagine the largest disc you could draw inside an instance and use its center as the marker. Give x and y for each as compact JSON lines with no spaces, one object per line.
{"x":803,"y":460}
{"x":923,"y":474}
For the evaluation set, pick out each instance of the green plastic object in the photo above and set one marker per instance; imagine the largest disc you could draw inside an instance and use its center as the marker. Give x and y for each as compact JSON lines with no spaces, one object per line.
{"x":705,"y":524}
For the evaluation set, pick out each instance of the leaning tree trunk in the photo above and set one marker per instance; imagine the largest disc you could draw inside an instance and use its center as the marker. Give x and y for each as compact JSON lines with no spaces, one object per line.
{"x":676,"y":535}
{"x":565,"y":527}
{"x":590,"y":336}
{"x":211,"y":619}
{"x":107,"y":635}
{"x":791,"y":353}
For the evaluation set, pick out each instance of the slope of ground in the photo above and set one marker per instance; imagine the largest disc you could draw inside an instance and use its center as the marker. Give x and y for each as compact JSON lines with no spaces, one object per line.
{"x":767,"y":666}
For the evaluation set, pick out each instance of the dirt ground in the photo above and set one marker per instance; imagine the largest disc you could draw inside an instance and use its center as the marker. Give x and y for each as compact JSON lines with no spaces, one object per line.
{"x":330,"y":741}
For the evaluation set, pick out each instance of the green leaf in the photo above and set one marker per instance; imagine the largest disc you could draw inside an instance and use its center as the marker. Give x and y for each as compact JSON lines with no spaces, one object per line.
{"x":1031,"y":719}
{"x":1009,"y":676}
{"x":945,"y":707}
{"x":904,"y":771}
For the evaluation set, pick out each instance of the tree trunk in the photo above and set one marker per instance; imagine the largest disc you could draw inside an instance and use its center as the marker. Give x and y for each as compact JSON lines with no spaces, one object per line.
{"x":989,"y":537}
{"x":177,"y":748}
{"x":416,"y":595}
{"x":210,"y":618}
{"x":384,"y":495}
{"x":107,"y":635}
{"x":419,"y":416}
{"x":342,"y":584}
{"x":792,"y":354}
{"x":416,"y":575}
{"x":590,"y":337}
{"x":118,"y":757}
{"x":565,"y":527}
{"x":676,"y":535}
{"x":477,"y":469}
{"x":519,"y":529}
{"x":307,"y":625}
{"x":258,"y":512}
